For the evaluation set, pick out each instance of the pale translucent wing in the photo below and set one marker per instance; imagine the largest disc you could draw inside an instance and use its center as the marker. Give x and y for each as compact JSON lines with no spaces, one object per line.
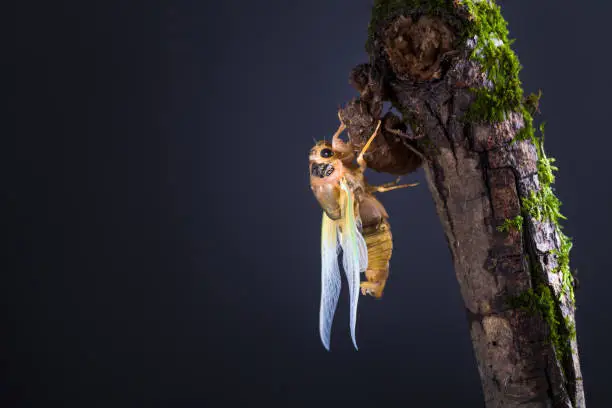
{"x":363,"y":251}
{"x":353,"y":257}
{"x":363,"y":248}
{"x":330,"y":278}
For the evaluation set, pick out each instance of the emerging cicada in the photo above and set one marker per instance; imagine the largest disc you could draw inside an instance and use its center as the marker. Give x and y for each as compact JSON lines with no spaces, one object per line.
{"x":354,"y":221}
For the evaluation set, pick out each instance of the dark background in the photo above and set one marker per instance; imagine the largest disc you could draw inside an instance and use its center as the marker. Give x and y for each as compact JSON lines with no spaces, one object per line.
{"x":164,"y":243}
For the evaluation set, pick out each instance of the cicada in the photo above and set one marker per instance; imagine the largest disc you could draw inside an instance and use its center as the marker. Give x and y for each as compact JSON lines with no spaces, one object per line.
{"x":354,"y":223}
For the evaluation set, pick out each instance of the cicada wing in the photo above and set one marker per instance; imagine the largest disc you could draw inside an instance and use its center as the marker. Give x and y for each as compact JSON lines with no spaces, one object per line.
{"x":354,"y":254}
{"x":330,"y":278}
{"x":362,"y":246}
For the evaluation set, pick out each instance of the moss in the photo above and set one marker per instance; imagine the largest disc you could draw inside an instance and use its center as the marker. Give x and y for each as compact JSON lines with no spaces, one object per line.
{"x":563,"y":267}
{"x":527,"y":132}
{"x":571,"y":329}
{"x":512,"y":223}
{"x":541,"y":301}
{"x":492,"y":51}
{"x":543,"y":205}
{"x":532,"y":102}
{"x":545,"y":164}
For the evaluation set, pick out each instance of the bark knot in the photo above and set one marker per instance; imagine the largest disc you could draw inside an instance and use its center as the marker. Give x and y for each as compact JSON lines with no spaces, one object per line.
{"x":416,"y":47}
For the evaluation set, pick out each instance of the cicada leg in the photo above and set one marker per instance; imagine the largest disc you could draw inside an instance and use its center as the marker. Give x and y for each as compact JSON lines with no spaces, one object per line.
{"x":394,"y":185}
{"x":338,"y":144}
{"x":360,"y":160}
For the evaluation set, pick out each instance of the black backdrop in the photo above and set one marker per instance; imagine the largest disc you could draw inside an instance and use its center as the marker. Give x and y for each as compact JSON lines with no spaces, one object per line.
{"x":163,"y":241}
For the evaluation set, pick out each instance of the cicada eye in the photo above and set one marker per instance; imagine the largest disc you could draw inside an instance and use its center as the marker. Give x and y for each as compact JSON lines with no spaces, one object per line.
{"x":326,"y":153}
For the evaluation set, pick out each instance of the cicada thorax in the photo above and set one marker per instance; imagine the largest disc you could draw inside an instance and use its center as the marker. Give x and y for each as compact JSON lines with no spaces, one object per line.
{"x":327,"y":169}
{"x":376,"y":231}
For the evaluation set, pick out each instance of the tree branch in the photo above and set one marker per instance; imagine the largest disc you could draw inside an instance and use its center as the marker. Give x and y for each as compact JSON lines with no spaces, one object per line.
{"x":447,"y":67}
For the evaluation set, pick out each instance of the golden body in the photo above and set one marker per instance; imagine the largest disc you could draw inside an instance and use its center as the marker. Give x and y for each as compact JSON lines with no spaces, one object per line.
{"x":329,"y":164}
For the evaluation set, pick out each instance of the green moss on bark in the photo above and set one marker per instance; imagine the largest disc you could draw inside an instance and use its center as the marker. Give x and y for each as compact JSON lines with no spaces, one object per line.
{"x":543,"y":206}
{"x":541,"y":301}
{"x":489,"y":33}
{"x":563,"y":267}
{"x":511,"y":223}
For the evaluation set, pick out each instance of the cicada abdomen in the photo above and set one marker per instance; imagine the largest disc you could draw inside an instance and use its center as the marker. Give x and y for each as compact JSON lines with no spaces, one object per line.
{"x":376,"y":231}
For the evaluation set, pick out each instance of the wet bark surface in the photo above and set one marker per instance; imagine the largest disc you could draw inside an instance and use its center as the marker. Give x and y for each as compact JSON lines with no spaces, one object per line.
{"x":477,"y":175}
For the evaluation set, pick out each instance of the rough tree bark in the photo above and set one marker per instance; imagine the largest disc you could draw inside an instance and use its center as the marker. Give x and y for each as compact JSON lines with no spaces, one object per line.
{"x":447,"y":67}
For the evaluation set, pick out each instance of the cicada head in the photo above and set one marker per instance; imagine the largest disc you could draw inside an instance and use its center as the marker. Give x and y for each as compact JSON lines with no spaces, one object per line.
{"x":326,"y":170}
{"x":323,"y":160}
